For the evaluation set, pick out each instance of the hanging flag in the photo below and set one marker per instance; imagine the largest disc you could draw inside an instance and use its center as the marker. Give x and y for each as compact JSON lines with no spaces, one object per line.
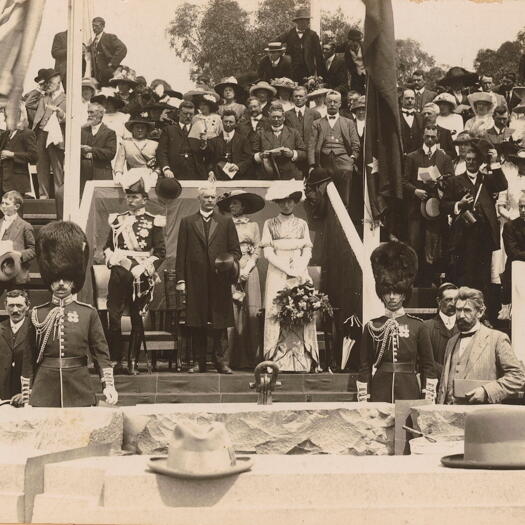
{"x":383,"y":152}
{"x":19,"y":26}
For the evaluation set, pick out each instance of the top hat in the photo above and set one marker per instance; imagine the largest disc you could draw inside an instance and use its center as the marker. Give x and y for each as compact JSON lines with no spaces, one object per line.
{"x":167,"y":188}
{"x":229,"y":82}
{"x":91,"y":83}
{"x":138,"y":120}
{"x":458,"y":74}
{"x":62,"y":252}
{"x":359,"y":103}
{"x":251,"y":202}
{"x":446,"y":97}
{"x":116,"y":102}
{"x":354,"y":34}
{"x":10,"y":266}
{"x":494,"y":439}
{"x":318,"y":176}
{"x":303,"y":13}
{"x":200,"y":453}
{"x":262,"y":84}
{"x":124,"y":74}
{"x":41,"y":75}
{"x":275,"y":46}
{"x":285,"y":189}
{"x":226,"y":264}
{"x":284,"y":82}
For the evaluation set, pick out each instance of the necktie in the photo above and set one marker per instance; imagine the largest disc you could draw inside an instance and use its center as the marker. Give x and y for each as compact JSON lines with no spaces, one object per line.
{"x":462,"y":335}
{"x":299,"y":116}
{"x":185,"y":130}
{"x":418,"y":99}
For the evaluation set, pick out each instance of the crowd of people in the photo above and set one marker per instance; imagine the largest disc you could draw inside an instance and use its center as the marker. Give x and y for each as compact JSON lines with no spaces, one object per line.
{"x":299,"y":124}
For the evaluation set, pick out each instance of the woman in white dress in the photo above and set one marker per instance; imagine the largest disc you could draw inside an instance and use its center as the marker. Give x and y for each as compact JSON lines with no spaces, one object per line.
{"x":244,"y":337}
{"x":483,"y":105}
{"x":207,"y":120}
{"x":447,"y":118}
{"x":287,"y":247}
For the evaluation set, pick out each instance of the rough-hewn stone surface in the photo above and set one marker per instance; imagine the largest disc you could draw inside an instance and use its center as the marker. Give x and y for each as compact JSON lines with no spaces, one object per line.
{"x":54,"y":429}
{"x":298,"y":428}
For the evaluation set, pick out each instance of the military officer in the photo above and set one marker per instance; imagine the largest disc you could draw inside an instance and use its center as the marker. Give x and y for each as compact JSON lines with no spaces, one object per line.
{"x":66,"y":329}
{"x":134,"y":250}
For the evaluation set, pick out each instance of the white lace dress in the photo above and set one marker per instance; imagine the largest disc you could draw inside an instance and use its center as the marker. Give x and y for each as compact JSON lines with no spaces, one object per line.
{"x":287,"y":246}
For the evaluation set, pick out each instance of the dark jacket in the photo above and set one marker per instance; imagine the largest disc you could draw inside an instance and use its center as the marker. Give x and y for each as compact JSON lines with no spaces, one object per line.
{"x":183,"y":155}
{"x":59,"y":53}
{"x":514,"y":242}
{"x":412,"y":137}
{"x":337,"y":76}
{"x":15,"y":171}
{"x":241,"y":155}
{"x":17,"y":354}
{"x":426,"y":97}
{"x":23,"y":237}
{"x":106,"y":57}
{"x":305,"y":127}
{"x":445,"y":142}
{"x":439,"y":336}
{"x":195,"y":264}
{"x":266,"y":71}
{"x":245,"y":128}
{"x":357,"y":82}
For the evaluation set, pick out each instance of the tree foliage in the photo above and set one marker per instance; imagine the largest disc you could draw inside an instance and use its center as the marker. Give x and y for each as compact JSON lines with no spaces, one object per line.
{"x":410,"y":57}
{"x":497,"y":62}
{"x":338,"y":24}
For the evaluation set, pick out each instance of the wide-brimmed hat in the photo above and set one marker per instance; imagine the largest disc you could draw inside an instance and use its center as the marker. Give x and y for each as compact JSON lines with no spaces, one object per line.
{"x":117,"y":102}
{"x":284,"y":82}
{"x":261,"y":84}
{"x":197,"y":95}
{"x":138,"y":120}
{"x":430,"y":208}
{"x":518,"y":155}
{"x":446,"y":98}
{"x":90,"y":83}
{"x":251,"y":202}
{"x":318,"y":176}
{"x":200,"y":453}
{"x":463,"y":138}
{"x":480,"y":96}
{"x":359,"y":103}
{"x":482,"y":145}
{"x":10,"y":266}
{"x":228,"y":266}
{"x":158,"y":105}
{"x":229,"y":82}
{"x":275,"y":46}
{"x":456,"y":74}
{"x":520,"y":108}
{"x":318,"y":92}
{"x":285,"y":189}
{"x":124,"y":74}
{"x":173,"y":94}
{"x":167,"y":188}
{"x":494,"y":439}
{"x":302,"y":13}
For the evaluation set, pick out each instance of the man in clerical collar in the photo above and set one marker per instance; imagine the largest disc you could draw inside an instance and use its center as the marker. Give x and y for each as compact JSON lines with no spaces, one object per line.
{"x":480,"y":365}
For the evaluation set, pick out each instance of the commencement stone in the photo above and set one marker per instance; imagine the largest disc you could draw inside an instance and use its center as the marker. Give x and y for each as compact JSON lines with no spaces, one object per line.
{"x":285,"y":428}
{"x":54,"y":429}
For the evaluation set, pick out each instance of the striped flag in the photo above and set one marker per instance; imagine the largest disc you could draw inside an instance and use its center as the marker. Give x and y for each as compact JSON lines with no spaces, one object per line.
{"x":383,"y":151}
{"x":19,"y":25}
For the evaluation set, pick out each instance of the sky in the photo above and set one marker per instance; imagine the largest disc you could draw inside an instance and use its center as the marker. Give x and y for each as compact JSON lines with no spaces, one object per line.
{"x":450,"y":30}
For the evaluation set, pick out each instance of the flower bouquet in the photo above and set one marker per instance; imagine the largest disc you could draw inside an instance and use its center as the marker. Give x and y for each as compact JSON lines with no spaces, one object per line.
{"x":297,"y":305}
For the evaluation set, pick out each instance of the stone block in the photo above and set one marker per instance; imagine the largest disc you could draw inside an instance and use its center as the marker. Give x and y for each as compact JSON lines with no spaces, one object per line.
{"x":299,"y":428}
{"x":54,"y":429}
{"x":11,"y":507}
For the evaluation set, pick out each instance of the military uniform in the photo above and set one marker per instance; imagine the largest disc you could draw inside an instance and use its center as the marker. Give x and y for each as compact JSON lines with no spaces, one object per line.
{"x":67,"y":331}
{"x":135,"y":239}
{"x":398,"y":346}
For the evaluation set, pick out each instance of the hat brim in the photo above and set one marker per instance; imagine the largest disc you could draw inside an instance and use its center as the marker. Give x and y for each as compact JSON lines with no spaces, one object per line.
{"x":434,"y":212}
{"x":130,"y":123}
{"x":467,"y":78}
{"x":270,"y":89}
{"x":159,"y":466}
{"x":317,"y":182}
{"x":114,"y":81}
{"x":458,"y":461}
{"x":168,"y":188}
{"x":16,"y":266}
{"x":239,"y":91}
{"x":251,"y":203}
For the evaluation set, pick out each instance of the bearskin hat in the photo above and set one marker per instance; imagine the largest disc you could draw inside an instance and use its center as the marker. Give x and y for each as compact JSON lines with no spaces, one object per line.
{"x":395,"y":267}
{"x":62,"y":251}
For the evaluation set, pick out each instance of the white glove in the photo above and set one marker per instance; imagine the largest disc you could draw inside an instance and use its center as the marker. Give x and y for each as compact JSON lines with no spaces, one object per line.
{"x":138,"y":270}
{"x":362,"y":391}
{"x":109,"y":391}
{"x":431,"y":390}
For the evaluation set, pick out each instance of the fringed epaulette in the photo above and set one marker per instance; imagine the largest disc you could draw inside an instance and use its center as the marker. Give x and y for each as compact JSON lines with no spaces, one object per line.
{"x":84,"y":304}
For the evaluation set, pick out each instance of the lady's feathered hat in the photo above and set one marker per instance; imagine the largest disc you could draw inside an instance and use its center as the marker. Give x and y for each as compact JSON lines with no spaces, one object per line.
{"x":394,"y":265}
{"x":62,"y":251}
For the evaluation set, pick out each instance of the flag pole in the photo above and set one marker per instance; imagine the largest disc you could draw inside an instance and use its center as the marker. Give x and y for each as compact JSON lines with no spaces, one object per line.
{"x":73,"y":110}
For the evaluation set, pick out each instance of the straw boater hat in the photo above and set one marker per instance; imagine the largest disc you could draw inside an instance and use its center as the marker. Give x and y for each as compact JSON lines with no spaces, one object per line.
{"x":263,"y":85}
{"x":318,"y":92}
{"x":274,"y":46}
{"x":446,"y":98}
{"x":494,"y":439}
{"x":456,"y":74}
{"x":229,"y":82}
{"x":303,"y":13}
{"x":10,"y":265}
{"x":200,"y":453}
{"x":285,"y":189}
{"x":251,"y":202}
{"x":284,"y":83}
{"x":124,"y":74}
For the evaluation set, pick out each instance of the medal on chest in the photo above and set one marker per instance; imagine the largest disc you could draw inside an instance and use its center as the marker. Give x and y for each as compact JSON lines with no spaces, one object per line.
{"x":404,"y":331}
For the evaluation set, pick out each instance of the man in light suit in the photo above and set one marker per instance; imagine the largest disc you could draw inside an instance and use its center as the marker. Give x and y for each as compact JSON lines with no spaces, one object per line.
{"x":279,"y":149}
{"x":478,"y":353}
{"x":423,"y":95}
{"x":17,"y":349}
{"x":107,"y":52}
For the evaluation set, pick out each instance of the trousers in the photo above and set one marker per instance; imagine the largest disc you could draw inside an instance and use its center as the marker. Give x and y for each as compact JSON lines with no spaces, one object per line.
{"x":220,"y":348}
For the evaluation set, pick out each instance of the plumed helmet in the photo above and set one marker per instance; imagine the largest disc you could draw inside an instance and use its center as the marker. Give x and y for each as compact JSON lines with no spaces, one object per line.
{"x":62,"y":251}
{"x":394,"y":265}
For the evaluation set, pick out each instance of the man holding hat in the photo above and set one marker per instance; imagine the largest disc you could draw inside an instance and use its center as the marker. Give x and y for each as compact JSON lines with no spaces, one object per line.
{"x":207,"y":265}
{"x":354,"y":60}
{"x":275,"y":64}
{"x":304,"y":48}
{"x":67,"y":330}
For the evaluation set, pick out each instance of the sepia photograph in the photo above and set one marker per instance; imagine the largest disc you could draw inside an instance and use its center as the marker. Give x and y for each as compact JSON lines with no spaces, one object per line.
{"x":262,"y":261}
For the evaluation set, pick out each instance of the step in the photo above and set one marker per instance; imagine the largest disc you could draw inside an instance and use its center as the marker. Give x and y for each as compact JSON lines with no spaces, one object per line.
{"x":11,"y":507}
{"x":39,"y":210}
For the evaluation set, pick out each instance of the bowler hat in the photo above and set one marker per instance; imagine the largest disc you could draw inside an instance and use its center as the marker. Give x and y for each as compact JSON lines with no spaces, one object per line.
{"x":261,"y":84}
{"x":494,"y":439}
{"x":41,"y":75}
{"x":318,"y":176}
{"x":354,"y":34}
{"x":10,"y":266}
{"x":458,"y":74}
{"x":226,"y":264}
{"x":251,"y":202}
{"x":303,"y":13}
{"x":200,"y":453}
{"x":48,"y":74}
{"x":168,"y":188}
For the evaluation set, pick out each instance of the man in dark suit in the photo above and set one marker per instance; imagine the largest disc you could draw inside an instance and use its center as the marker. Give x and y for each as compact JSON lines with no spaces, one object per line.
{"x":98,"y":147}
{"x":424,"y":233}
{"x":17,"y":349}
{"x":500,"y":132}
{"x":469,"y":199}
{"x":443,"y":326}
{"x":505,"y":89}
{"x":304,"y":47}
{"x":444,"y":136}
{"x":354,"y":61}
{"x":17,"y":151}
{"x":59,"y":53}
{"x":253,"y":121}
{"x":423,"y":95}
{"x":275,"y":64}
{"x":279,"y":149}
{"x":335,"y":71}
{"x":204,"y":237}
{"x":32,"y":98}
{"x":107,"y":52}
{"x":230,"y":154}
{"x":411,"y":122}
{"x":178,"y":154}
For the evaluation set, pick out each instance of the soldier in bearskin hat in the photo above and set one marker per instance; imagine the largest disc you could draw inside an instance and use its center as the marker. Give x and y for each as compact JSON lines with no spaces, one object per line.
{"x":134,"y":250}
{"x":66,"y":329}
{"x":397,"y":345}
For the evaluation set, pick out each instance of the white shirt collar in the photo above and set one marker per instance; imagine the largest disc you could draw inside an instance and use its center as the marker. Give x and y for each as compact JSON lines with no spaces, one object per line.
{"x":394,"y":315}
{"x":472,"y":176}
{"x":475,"y":328}
{"x":428,"y":150}
{"x":258,"y":117}
{"x":9,"y":219}
{"x":279,"y":129}
{"x":16,"y":326}
{"x":228,"y":135}
{"x":420,"y":91}
{"x":332,"y":120}
{"x":94,"y":129}
{"x":275,"y":62}
{"x":329,"y":61}
{"x":300,"y":110}
{"x":206,"y":214}
{"x":448,"y":320}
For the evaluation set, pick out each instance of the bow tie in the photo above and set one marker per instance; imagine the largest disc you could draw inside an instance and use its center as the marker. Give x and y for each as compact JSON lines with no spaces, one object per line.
{"x":257,"y":118}
{"x":332,"y":117}
{"x":408,"y":111}
{"x":466,"y":334}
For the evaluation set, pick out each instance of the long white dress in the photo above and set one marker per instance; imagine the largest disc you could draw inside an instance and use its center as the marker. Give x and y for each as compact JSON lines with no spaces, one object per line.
{"x":287,"y":247}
